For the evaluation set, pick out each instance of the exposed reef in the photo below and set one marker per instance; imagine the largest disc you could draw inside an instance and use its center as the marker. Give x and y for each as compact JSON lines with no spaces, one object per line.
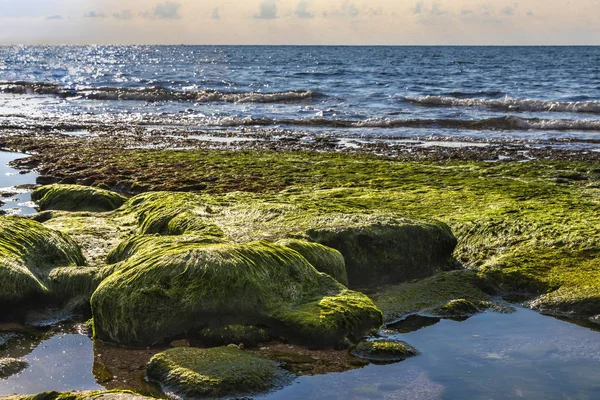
{"x":257,"y":247}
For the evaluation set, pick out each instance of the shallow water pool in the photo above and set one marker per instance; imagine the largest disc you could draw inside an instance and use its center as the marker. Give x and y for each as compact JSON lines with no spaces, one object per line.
{"x":489,"y":356}
{"x":16,"y":201}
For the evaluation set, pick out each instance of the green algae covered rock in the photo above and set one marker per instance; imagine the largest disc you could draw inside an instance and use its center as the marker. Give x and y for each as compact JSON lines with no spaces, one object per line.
{"x":183,"y":287}
{"x":324,"y":259}
{"x":76,"y":198}
{"x":378,"y":248}
{"x":172,"y":213}
{"x":216,"y":372}
{"x":458,"y":308}
{"x":384,"y":351}
{"x":446,"y":294}
{"x":389,"y":251}
{"x":28,"y":254}
{"x":11,"y":366}
{"x":89,"y":395}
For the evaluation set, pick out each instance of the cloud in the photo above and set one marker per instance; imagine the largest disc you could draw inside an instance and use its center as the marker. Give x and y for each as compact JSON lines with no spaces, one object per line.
{"x":94,"y":14}
{"x":349,"y":10}
{"x":511,"y":10}
{"x":418,"y":8}
{"x":433,"y":10}
{"x":268,"y":10}
{"x":123,"y":15}
{"x":215,"y":14}
{"x":54,"y":17}
{"x":302,"y":10}
{"x":465,"y":11}
{"x":436,"y":9}
{"x":168,"y":10}
{"x":530,"y":13}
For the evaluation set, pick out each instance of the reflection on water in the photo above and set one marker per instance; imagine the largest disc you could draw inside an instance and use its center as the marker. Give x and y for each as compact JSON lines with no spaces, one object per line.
{"x":489,"y":356}
{"x":62,"y":362}
{"x":16,"y":201}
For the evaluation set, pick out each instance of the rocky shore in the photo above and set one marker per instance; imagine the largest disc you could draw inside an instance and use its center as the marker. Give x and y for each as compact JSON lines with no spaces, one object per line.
{"x":204,"y":261}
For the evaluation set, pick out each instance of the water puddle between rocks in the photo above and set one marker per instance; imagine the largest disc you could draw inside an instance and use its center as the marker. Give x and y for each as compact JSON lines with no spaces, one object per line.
{"x":15,"y":200}
{"x":488,"y":356}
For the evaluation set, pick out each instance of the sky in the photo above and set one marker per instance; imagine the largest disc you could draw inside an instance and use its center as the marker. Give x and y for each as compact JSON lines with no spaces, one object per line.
{"x":301,"y":22}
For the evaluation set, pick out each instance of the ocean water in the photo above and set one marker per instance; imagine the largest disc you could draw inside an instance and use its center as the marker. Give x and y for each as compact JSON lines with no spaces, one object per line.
{"x":523,"y":94}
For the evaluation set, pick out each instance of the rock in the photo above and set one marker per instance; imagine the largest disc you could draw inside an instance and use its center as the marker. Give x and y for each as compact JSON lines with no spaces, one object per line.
{"x":458,"y":308}
{"x":76,"y":198}
{"x":11,"y":366}
{"x":91,"y":395}
{"x":46,"y":180}
{"x":389,"y":250}
{"x":215,"y":372}
{"x":429,"y":296}
{"x":29,"y":253}
{"x":163,"y":292}
{"x":595,"y":319}
{"x":324,"y":259}
{"x":384,"y":351}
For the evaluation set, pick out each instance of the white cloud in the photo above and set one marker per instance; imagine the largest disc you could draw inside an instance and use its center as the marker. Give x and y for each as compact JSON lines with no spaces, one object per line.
{"x":123,"y":15}
{"x":268,"y":10}
{"x":302,"y":11}
{"x":94,"y":14}
{"x":168,"y":10}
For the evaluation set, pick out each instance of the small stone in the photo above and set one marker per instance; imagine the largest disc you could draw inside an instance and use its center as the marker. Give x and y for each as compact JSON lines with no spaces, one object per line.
{"x":11,"y":366}
{"x":384,"y":351}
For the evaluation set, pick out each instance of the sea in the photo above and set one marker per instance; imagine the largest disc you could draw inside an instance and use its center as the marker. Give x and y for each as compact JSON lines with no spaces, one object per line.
{"x":542,"y":95}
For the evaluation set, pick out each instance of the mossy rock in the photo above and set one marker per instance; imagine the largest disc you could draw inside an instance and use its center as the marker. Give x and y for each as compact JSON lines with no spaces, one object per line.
{"x":83,"y":395}
{"x":458,"y":308}
{"x":384,"y":351}
{"x":11,"y":366}
{"x":168,"y":213}
{"x":389,"y":251}
{"x":215,"y":372}
{"x":76,"y":198}
{"x":324,"y":259}
{"x":141,"y":244}
{"x":430,"y":296}
{"x":28,"y":254}
{"x":378,"y":248}
{"x":162,"y":293}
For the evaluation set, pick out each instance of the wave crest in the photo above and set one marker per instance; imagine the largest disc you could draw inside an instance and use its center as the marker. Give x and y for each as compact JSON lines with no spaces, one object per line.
{"x":154,"y":94}
{"x":509,"y":104}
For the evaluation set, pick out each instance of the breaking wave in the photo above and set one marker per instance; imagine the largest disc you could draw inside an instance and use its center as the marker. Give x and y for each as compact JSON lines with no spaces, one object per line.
{"x":155,"y":94}
{"x":508,"y":104}
{"x":502,"y":123}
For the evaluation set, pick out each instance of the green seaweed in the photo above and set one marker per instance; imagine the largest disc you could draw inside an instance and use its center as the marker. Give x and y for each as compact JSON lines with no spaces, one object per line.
{"x":215,"y":372}
{"x":28,"y":254}
{"x":384,"y":351}
{"x":324,"y":259}
{"x":76,"y":198}
{"x":432,"y":295}
{"x":166,"y":291}
{"x":530,"y":228}
{"x":89,"y":395}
